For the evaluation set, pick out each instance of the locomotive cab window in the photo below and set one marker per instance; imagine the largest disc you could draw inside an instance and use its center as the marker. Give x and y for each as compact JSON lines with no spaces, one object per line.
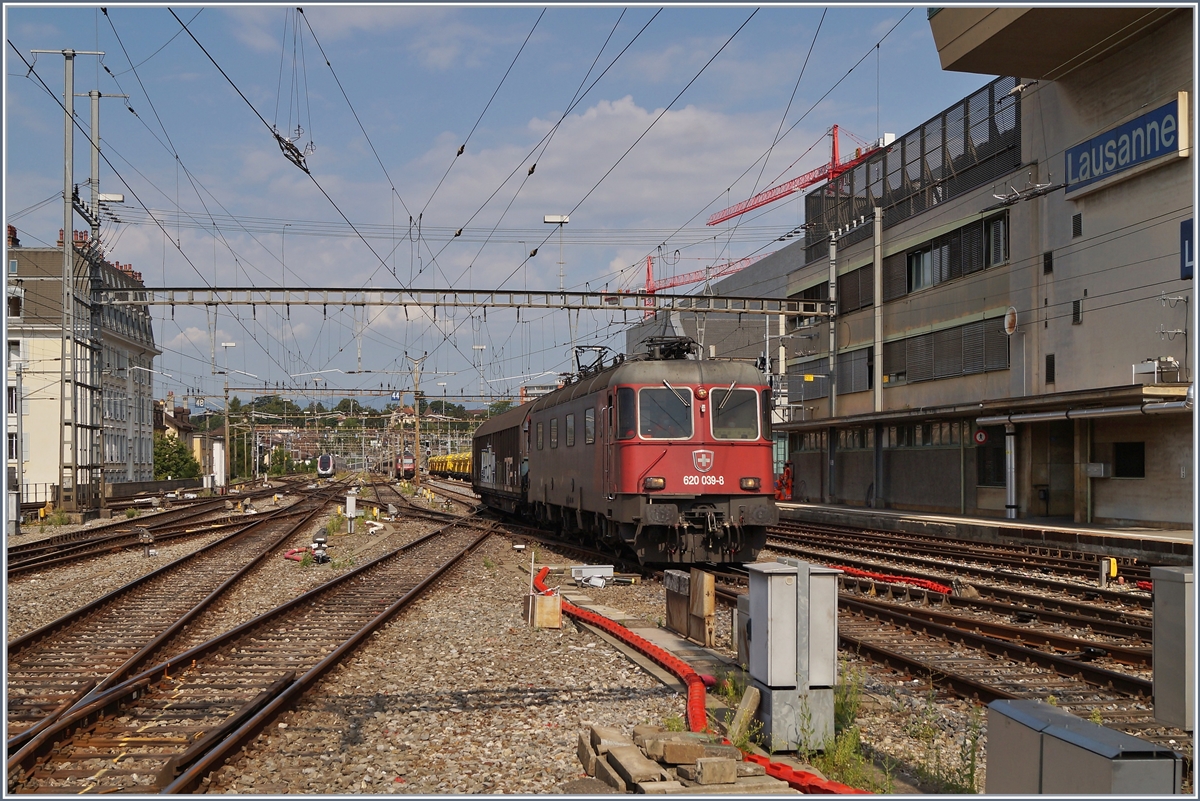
{"x":626,"y":415}
{"x":665,"y":413}
{"x":735,"y":414}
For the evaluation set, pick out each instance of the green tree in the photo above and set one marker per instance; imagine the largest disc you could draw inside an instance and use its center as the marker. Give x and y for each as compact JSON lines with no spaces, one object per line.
{"x":499,"y":407}
{"x":172,"y":459}
{"x":281,"y":461}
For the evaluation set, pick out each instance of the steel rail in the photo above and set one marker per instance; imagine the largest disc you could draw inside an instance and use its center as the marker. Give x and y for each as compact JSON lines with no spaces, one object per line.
{"x":1070,"y":668}
{"x":99,"y":653}
{"x":316,"y":604}
{"x":1014,"y":634}
{"x":937,"y":570}
{"x":1012,"y":556}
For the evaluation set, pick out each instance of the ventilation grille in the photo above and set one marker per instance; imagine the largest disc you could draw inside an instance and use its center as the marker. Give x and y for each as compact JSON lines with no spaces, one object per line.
{"x":1049,"y":368}
{"x":1047,"y":262}
{"x":1076,"y":312}
{"x":1077,"y":226}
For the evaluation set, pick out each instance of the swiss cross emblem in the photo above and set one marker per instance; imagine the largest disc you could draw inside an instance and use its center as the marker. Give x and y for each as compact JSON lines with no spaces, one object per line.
{"x":703,"y":460}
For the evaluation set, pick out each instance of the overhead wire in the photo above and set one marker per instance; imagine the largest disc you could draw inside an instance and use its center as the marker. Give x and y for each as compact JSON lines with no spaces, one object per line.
{"x":462,"y":148}
{"x":303,"y":168}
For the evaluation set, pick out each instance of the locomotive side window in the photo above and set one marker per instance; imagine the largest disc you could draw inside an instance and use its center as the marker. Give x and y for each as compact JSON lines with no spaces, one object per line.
{"x":589,"y":426}
{"x":553,"y":432}
{"x":735,"y":414}
{"x":539,"y":436}
{"x":626,"y":414}
{"x":666,"y":413}
{"x":570,"y":430}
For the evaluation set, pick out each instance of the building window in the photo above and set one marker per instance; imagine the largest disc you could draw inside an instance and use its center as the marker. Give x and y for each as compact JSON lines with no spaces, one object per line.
{"x":1049,"y":368}
{"x":997,"y":240}
{"x":12,"y":266}
{"x":920,"y":270}
{"x":589,"y":426}
{"x":1047,"y":262}
{"x":1129,"y":460}
{"x":539,"y":436}
{"x":989,"y":459}
{"x":570,"y":430}
{"x":14,"y":350}
{"x":1077,"y":226}
{"x":553,"y":432}
{"x":11,"y":405}
{"x":12,"y":447}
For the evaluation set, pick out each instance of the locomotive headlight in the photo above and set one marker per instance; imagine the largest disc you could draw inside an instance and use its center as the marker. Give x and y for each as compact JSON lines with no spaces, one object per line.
{"x":702,"y":393}
{"x":751,"y":483}
{"x":654,"y":483}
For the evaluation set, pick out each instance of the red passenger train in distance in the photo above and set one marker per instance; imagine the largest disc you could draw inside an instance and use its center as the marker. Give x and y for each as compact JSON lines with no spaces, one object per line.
{"x":661,"y":454}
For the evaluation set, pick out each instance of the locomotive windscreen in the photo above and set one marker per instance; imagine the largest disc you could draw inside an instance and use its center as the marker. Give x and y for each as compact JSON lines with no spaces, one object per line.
{"x":735,"y":414}
{"x":666,"y":413}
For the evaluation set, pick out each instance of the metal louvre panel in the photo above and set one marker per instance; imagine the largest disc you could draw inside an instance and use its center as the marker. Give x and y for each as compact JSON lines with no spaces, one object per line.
{"x":972,"y":348}
{"x":995,"y":345}
{"x":852,"y":374}
{"x":894,"y":358}
{"x":940,"y":254}
{"x":919,"y":355}
{"x":895,"y":276}
{"x":955,"y":242}
{"x":866,"y":286}
{"x":972,"y":247}
{"x":947,"y":352}
{"x":800,"y":390}
{"x":848,"y":292}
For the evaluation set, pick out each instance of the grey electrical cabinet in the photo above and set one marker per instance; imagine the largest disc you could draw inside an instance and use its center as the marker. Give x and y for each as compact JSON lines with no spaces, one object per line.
{"x":816,"y":623}
{"x":1174,"y":646}
{"x":1034,"y":748}
{"x":772,"y":627}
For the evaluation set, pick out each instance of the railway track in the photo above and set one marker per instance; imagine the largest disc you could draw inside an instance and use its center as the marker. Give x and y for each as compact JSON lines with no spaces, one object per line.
{"x":166,"y":728}
{"x":1013,"y":556}
{"x":1123,"y":605}
{"x":191,"y":520}
{"x":92,"y":648}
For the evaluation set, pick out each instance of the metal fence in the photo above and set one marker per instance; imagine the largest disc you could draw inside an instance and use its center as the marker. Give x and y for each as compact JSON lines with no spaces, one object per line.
{"x":973,"y":142}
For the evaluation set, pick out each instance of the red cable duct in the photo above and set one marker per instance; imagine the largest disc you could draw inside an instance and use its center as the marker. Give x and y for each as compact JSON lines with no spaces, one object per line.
{"x":916,"y":582}
{"x":697,"y":715}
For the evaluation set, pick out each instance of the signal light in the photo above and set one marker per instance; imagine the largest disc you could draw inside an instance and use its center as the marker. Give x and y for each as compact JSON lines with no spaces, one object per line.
{"x":751,"y":483}
{"x":654,"y":483}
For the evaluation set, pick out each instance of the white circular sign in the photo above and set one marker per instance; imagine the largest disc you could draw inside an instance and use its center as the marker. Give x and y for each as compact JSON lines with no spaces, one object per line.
{"x":1010,"y":320}
{"x":981,"y":437}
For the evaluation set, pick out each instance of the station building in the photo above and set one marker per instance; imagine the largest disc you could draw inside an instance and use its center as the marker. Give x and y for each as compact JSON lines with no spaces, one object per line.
{"x":1012,"y":284}
{"x":113,"y":417}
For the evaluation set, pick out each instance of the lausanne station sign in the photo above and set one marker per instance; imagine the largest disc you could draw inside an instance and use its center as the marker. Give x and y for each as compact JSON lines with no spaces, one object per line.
{"x":1142,"y":142}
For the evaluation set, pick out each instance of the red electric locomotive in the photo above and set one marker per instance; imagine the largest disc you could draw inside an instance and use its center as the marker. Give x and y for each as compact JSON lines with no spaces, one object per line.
{"x":664,"y":455}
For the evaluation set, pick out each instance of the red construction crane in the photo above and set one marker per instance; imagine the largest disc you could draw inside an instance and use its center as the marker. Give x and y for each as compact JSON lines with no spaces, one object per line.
{"x":713,"y":272}
{"x":826,"y":172}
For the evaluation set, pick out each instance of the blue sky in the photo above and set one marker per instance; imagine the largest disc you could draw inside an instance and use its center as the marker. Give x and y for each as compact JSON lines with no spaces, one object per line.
{"x":198,"y":158}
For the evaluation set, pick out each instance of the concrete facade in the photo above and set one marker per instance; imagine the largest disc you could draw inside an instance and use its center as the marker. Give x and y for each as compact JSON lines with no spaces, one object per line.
{"x":1092,"y":270}
{"x":124,"y":446}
